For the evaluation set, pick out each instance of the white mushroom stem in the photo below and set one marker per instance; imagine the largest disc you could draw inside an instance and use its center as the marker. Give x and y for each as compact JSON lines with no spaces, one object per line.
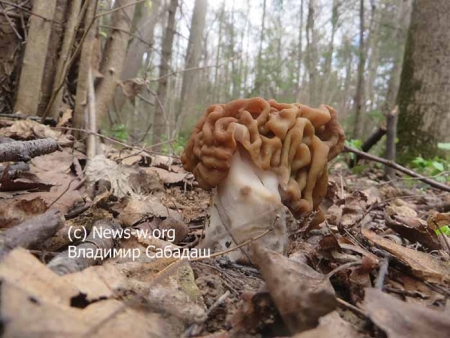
{"x":246,"y":204}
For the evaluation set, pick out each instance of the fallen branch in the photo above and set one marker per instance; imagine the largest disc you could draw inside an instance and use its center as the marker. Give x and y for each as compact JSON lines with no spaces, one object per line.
{"x":63,"y":264}
{"x":26,"y":150}
{"x":31,"y":233}
{"x":398,"y":167}
{"x":48,"y":120}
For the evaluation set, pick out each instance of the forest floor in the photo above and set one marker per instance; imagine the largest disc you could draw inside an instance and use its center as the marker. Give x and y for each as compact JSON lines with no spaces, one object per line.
{"x":379,"y":265}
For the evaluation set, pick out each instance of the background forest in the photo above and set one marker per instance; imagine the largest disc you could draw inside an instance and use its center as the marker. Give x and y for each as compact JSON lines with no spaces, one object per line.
{"x":115,"y":222}
{"x":157,"y":64}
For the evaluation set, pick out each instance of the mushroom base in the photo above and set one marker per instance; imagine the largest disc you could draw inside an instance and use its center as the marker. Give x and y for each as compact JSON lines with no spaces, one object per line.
{"x":246,"y":204}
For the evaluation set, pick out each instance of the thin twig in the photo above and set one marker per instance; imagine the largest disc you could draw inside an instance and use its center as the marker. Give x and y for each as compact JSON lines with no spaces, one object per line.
{"x":247,"y":242}
{"x":398,"y":167}
{"x":27,"y":11}
{"x":342,"y":267}
{"x":5,"y":13}
{"x":147,"y":148}
{"x":194,"y":68}
{"x":118,"y":9}
{"x":351,"y":307}
{"x":66,"y":190}
{"x":149,"y":44}
{"x":444,"y":237}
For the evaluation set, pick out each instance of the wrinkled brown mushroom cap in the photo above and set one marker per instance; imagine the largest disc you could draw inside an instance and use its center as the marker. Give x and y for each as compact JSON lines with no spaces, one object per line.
{"x":292,"y":140}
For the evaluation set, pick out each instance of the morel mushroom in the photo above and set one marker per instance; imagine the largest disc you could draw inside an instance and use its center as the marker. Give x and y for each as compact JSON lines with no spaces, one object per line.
{"x":261,"y":156}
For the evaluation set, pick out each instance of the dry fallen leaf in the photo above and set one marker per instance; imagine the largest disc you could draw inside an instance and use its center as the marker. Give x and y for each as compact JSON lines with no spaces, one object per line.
{"x":138,"y":210}
{"x":29,"y":129}
{"x":65,"y":118}
{"x":13,"y":211}
{"x":401,"y":320}
{"x":169,"y":177}
{"x":300,"y":306}
{"x":331,"y":326}
{"x":22,"y":181}
{"x":414,"y":229}
{"x":38,"y":303}
{"x":422,"y":264}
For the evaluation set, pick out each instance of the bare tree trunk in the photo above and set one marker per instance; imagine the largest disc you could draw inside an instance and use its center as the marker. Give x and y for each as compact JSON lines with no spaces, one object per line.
{"x":114,"y":56}
{"x":137,"y":48}
{"x":87,"y":51}
{"x":189,"y":87}
{"x":54,"y":46}
{"x":299,"y":53}
{"x":391,"y":135}
{"x":33,"y":66}
{"x":159,"y":119}
{"x":219,"y":48}
{"x":10,"y":50}
{"x":69,"y":36}
{"x":424,"y":98}
{"x":373,"y":53}
{"x":393,"y":85}
{"x":329,"y":56}
{"x":259,"y":68}
{"x":312,"y":53}
{"x":359,"y":95}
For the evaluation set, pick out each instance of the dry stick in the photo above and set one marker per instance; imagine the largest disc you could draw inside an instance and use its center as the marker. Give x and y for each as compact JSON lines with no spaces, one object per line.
{"x":98,"y":239}
{"x":92,"y":118}
{"x":351,"y":307}
{"x":342,"y":267}
{"x":196,"y":328}
{"x":398,"y":167}
{"x":25,"y":150}
{"x":391,"y":136}
{"x":47,"y":120}
{"x":382,"y":273}
{"x":31,"y":233}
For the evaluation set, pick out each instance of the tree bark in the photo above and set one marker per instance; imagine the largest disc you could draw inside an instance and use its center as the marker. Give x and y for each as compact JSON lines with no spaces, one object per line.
{"x":69,"y":36}
{"x":217,"y":97}
{"x":33,"y":66}
{"x":114,"y":56}
{"x":30,"y":234}
{"x":311,"y":41}
{"x":391,"y":135}
{"x":87,"y":51}
{"x":159,"y":119}
{"x":189,"y":87}
{"x":424,"y":98}
{"x":329,"y":56}
{"x":10,"y":50}
{"x":259,"y":67}
{"x":26,"y":150}
{"x":299,"y":53}
{"x":359,"y":95}
{"x":137,"y":48}
{"x":54,"y":46}
{"x":393,"y":86}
